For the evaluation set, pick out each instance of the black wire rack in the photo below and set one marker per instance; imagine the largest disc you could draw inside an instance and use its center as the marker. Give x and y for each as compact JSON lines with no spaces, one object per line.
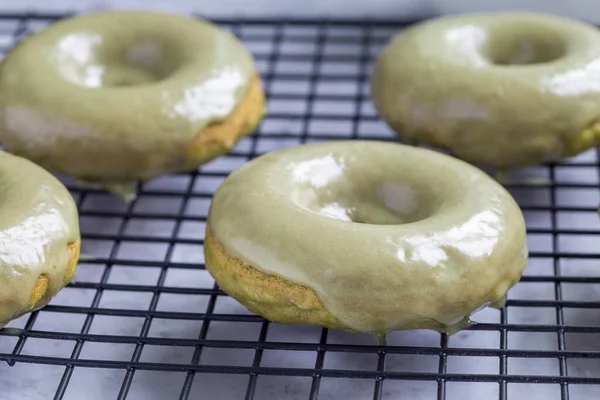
{"x":144,"y":320}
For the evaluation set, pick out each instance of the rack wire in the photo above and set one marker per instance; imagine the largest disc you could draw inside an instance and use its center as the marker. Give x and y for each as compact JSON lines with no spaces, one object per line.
{"x":144,"y":320}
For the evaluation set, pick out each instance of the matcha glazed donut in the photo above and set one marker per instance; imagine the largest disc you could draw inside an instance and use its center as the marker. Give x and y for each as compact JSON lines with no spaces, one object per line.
{"x":122,"y":96}
{"x":364,"y":236}
{"x":39,"y":237}
{"x":499,"y":89}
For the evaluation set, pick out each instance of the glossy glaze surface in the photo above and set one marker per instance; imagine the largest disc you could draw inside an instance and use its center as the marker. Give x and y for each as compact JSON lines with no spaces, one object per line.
{"x":38,"y":222}
{"x":501,"y":89}
{"x":111,"y":97}
{"x":385,"y":234}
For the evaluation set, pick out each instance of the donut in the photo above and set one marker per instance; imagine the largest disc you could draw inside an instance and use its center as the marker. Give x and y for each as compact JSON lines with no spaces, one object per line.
{"x":364,"y":236}
{"x":117,"y":97}
{"x":39,"y":237}
{"x":499,"y":89}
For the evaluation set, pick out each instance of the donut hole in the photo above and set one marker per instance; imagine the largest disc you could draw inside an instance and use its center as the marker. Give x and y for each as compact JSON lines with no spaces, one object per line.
{"x":129,"y":75}
{"x":525,"y":45}
{"x":390,"y":203}
{"x":91,"y":61}
{"x":355,"y":194}
{"x":143,"y":62}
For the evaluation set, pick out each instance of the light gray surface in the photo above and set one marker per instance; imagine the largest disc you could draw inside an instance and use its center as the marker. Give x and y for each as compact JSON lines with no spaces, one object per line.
{"x":260,"y":8}
{"x":37,"y":382}
{"x":584,"y":9}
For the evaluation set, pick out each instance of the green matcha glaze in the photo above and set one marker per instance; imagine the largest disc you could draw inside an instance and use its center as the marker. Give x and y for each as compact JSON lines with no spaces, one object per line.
{"x":498,"y":89}
{"x":385,"y":234}
{"x":113,"y":97}
{"x":39,"y":220}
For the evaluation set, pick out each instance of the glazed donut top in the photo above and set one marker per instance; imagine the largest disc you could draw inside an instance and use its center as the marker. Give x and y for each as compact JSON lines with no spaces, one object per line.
{"x":39,"y":220}
{"x":383,"y":233}
{"x":528,"y":82}
{"x":120,"y":80}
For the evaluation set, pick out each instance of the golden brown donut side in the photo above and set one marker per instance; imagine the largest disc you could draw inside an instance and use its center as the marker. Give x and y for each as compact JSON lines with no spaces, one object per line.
{"x":218,"y":138}
{"x":40,"y":296}
{"x":586,"y":139}
{"x":274,"y":298}
{"x":270,"y":296}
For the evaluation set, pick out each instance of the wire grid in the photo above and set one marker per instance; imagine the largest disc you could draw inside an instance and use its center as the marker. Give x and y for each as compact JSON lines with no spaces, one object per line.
{"x":143,"y":319}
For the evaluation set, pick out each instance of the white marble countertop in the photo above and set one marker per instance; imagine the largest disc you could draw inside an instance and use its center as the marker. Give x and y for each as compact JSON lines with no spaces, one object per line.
{"x":39,"y":382}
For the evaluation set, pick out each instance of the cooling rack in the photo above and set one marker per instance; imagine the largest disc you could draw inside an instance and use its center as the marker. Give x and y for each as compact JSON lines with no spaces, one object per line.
{"x":144,"y":320}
